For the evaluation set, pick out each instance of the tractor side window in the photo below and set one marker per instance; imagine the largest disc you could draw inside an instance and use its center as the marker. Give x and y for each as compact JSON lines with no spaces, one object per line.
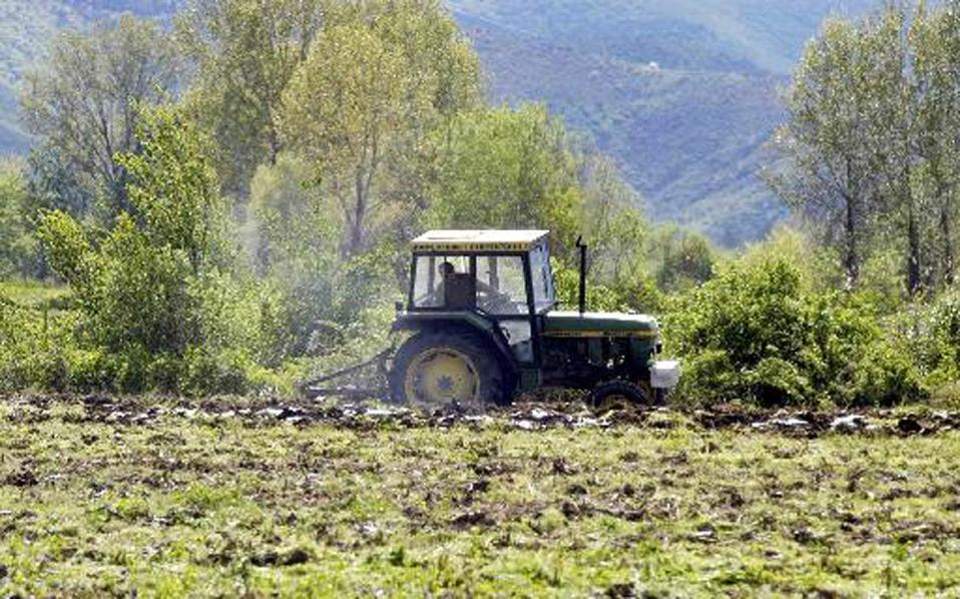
{"x":543,"y":297}
{"x":425,"y":283}
{"x":442,"y":280}
{"x":501,"y":289}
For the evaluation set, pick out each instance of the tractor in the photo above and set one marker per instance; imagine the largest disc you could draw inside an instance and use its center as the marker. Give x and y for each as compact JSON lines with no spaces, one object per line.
{"x":482,"y":324}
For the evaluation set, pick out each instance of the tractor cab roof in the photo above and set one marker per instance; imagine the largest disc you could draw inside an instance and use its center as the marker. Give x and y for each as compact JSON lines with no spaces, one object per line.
{"x":478,"y":241}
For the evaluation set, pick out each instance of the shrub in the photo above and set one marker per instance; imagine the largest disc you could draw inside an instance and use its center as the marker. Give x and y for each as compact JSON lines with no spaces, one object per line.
{"x":161,"y":303}
{"x":636,"y":294}
{"x":931,"y":334}
{"x":756,"y":333}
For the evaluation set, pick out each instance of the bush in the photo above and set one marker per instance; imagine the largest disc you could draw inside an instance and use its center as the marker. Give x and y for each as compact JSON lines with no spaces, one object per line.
{"x":756,"y":333}
{"x":18,"y":245}
{"x":635,"y":294}
{"x":931,"y":334}
{"x":161,"y":302}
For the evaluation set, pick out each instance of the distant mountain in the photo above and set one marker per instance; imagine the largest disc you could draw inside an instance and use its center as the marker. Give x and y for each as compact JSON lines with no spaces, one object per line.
{"x":682,"y":93}
{"x":26,"y":28}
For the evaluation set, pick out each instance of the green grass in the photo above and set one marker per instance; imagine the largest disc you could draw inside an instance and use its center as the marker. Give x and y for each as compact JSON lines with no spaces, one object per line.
{"x":35,"y":294}
{"x":213,"y":507}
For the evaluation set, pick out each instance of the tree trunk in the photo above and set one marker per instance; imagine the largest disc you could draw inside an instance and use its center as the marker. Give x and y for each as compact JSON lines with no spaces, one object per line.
{"x":946,"y":232}
{"x":273,"y":141}
{"x":851,"y":259}
{"x":913,"y":248}
{"x":359,"y":212}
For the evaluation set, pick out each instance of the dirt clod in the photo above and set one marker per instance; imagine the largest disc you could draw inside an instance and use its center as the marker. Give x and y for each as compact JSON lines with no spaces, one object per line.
{"x":291,"y":557}
{"x":909,"y":426}
{"x":470,"y":519}
{"x":563,"y":468}
{"x":621,"y":590}
{"x":22,"y":478}
{"x":570,"y":510}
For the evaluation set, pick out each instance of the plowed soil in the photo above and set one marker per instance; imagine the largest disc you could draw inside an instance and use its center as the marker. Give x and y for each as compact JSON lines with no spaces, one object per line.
{"x":114,"y":496}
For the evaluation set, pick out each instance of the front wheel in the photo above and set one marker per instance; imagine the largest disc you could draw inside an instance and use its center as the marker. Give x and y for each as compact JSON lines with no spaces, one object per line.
{"x":439,"y":370}
{"x":621,"y":394}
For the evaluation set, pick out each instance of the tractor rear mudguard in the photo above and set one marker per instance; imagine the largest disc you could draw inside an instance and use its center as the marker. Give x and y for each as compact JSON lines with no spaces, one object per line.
{"x":468,"y":323}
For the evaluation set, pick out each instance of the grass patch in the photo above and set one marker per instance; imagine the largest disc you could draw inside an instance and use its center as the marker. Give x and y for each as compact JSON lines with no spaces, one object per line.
{"x":35,"y":294}
{"x":224,"y":506}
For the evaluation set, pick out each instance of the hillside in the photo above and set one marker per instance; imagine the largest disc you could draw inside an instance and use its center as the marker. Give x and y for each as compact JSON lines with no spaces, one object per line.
{"x":26,"y":27}
{"x":683,"y":94}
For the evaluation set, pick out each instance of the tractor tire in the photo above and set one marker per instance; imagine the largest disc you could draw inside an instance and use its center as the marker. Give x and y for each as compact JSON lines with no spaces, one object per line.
{"x":447,"y":370}
{"x":620,"y":394}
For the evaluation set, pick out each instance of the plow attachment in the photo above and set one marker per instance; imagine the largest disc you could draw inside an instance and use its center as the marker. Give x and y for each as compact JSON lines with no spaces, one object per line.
{"x":366,"y":380}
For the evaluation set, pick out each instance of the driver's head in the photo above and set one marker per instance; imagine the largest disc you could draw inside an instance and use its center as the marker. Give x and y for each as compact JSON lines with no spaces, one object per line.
{"x":447,"y":269}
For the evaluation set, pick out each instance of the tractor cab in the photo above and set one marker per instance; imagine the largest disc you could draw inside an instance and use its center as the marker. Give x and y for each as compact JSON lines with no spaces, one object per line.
{"x":483,"y":312}
{"x":502,"y":277}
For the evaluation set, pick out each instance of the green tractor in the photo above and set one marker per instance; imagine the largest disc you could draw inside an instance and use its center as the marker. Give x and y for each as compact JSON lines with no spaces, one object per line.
{"x":484,"y":325}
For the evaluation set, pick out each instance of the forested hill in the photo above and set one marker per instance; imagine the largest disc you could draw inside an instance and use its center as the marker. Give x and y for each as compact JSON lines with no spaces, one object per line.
{"x":682,"y":93}
{"x":26,"y":27}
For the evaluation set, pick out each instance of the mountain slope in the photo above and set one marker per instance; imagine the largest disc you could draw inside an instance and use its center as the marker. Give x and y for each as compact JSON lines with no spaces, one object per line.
{"x":682,"y":93}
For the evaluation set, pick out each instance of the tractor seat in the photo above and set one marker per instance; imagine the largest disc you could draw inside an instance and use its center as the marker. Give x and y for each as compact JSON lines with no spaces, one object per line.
{"x":460,"y":291}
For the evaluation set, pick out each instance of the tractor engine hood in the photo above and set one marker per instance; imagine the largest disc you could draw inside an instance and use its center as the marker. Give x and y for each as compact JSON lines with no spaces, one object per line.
{"x":600,"y":324}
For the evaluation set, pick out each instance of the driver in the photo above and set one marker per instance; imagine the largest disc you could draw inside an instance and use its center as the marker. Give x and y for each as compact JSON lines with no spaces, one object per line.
{"x":447,"y":269}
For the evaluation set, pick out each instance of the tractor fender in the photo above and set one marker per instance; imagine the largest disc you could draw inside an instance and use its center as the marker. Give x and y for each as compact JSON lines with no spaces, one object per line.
{"x":466,"y":323}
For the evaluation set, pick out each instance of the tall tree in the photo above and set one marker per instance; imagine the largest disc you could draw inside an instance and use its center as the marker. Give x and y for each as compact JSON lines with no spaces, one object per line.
{"x":84,"y":100}
{"x":935,"y":39}
{"x":245,"y":52}
{"x":890,"y":86}
{"x":825,"y":172}
{"x":505,"y":168}
{"x":362,"y":106}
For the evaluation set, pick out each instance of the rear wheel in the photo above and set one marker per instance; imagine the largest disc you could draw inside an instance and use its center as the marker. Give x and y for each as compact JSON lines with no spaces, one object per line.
{"x":620,"y":394}
{"x":439,"y":370}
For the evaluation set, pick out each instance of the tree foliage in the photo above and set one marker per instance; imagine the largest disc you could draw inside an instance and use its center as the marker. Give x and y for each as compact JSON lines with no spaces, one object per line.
{"x":506,"y":168}
{"x":18,"y":247}
{"x":83,"y":103}
{"x":869,"y":149}
{"x":361,"y":105}
{"x":757,"y":333}
{"x":245,"y":52}
{"x":155,"y":291}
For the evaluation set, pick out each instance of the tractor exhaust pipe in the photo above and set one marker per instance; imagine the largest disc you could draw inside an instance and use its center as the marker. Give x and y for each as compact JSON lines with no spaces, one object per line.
{"x":583,"y":274}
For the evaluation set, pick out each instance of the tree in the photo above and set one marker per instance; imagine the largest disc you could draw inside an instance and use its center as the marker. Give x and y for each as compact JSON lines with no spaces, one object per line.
{"x":878,"y":103}
{"x":613,"y":223}
{"x":245,"y":52}
{"x":141,"y":285}
{"x":680,"y":259}
{"x":84,"y":101}
{"x":935,"y":39}
{"x":506,"y":168}
{"x":827,"y":171}
{"x":363,"y":104}
{"x":892,"y":120}
{"x":18,"y":255}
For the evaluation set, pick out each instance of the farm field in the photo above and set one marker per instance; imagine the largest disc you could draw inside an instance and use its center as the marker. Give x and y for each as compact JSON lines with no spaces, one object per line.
{"x":105,"y":496}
